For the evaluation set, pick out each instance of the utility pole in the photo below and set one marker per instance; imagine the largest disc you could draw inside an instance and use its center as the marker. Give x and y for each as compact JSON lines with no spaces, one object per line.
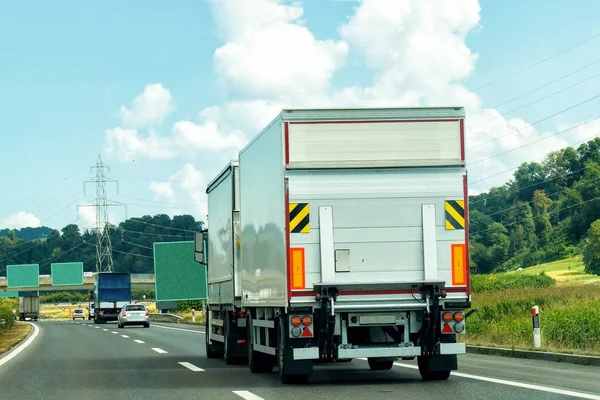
{"x":104,"y":259}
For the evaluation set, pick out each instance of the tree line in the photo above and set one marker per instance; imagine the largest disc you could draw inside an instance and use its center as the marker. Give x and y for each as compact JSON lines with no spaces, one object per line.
{"x":542,"y":214}
{"x":131,"y":242}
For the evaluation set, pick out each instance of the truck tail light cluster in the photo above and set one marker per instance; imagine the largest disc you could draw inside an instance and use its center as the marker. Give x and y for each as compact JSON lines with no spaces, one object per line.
{"x":301,"y":326}
{"x":453,"y":322}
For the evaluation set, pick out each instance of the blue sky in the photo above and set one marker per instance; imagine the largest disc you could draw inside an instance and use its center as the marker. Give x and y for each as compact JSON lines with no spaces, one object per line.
{"x":70,"y":71}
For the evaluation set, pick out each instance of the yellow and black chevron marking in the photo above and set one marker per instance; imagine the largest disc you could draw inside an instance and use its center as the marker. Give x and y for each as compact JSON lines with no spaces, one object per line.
{"x":455,"y":214}
{"x":299,"y":218}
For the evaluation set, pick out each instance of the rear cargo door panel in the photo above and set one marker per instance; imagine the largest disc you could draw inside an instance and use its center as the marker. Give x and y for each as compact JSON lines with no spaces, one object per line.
{"x":377,"y":222}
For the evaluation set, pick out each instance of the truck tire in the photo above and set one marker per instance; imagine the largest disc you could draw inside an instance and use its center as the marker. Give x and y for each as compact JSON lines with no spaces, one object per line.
{"x":428,"y":373}
{"x":257,"y":361}
{"x":283,"y":362}
{"x":380,"y":365}
{"x":211,"y":352}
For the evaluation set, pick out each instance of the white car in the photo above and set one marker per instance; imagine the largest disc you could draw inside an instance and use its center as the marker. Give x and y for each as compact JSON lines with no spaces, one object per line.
{"x":134,"y":314}
{"x":78,"y":313}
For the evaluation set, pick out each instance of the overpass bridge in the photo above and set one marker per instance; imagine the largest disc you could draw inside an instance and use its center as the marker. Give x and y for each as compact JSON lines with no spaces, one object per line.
{"x":138,"y":281}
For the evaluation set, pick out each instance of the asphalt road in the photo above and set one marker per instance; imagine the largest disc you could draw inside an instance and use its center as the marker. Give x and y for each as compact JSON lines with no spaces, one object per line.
{"x":81,"y":360}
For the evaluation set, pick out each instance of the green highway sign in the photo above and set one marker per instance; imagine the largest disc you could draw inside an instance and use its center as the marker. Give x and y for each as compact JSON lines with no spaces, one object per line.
{"x":9,"y":294}
{"x":177,"y":276}
{"x":22,"y":276}
{"x":65,"y":274}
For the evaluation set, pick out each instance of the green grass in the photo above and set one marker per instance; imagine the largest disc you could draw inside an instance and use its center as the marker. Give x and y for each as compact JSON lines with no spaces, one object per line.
{"x":566,"y":272}
{"x":504,"y":281}
{"x":569,"y":302}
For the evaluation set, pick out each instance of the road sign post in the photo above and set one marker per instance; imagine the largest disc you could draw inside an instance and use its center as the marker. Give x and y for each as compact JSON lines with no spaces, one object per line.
{"x":537,"y":337}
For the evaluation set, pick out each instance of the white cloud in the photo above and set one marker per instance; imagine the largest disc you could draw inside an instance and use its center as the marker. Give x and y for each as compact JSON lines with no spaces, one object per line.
{"x":189,"y":136}
{"x":128,"y":144}
{"x":20,"y":220}
{"x":149,"y":107}
{"x":269,"y":53}
{"x":163,"y":191}
{"x":190,"y":184}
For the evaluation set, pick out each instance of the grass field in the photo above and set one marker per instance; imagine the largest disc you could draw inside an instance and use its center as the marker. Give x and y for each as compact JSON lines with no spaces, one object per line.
{"x":566,"y":272}
{"x":14,"y":336}
{"x":569,"y":310}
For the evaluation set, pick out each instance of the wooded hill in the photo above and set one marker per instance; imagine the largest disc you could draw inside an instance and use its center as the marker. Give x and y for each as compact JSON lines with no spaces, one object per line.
{"x":542,"y":214}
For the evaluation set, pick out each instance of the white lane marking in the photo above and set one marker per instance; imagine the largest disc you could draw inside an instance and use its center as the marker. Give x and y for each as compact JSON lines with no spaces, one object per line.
{"x":156,"y":349}
{"x":116,"y":333}
{"x":125,"y":336}
{"x":13,"y":353}
{"x":191,"y":366}
{"x":513,"y":383}
{"x":97,"y":327}
{"x":106,"y":330}
{"x":179,"y":329}
{"x":139,"y":341}
{"x":244,"y":394}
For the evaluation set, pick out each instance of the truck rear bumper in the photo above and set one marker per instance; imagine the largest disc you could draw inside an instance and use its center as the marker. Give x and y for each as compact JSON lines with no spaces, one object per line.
{"x":312,"y":353}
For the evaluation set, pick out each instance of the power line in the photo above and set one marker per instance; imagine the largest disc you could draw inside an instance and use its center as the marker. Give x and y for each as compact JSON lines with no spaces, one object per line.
{"x":504,"y":114}
{"x":550,"y":212}
{"x":161,"y":226}
{"x":535,"y":141}
{"x":537,"y":159}
{"x":575,"y":186}
{"x":546,"y":84}
{"x":537,"y":63}
{"x":536,"y":122}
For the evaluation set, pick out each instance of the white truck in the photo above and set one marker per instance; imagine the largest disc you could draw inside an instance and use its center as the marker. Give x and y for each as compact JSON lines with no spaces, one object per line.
{"x":29,"y":307}
{"x":352,"y":242}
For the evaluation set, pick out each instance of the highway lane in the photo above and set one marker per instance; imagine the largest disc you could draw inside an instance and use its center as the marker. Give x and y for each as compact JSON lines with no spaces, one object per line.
{"x":168,"y":360}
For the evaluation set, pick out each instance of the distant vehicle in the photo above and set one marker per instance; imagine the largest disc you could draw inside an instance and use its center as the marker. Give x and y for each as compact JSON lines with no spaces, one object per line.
{"x":134,"y":314}
{"x":112,"y":290}
{"x":78,"y":313}
{"x":91,"y":310}
{"x":29,"y":307}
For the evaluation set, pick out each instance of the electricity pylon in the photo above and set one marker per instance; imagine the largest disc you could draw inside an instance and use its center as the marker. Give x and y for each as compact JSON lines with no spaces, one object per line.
{"x":104,"y":259}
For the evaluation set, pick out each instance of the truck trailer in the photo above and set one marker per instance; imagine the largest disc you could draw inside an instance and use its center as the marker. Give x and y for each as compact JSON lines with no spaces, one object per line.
{"x":341,"y":234}
{"x":29,"y":307}
{"x":112,"y":290}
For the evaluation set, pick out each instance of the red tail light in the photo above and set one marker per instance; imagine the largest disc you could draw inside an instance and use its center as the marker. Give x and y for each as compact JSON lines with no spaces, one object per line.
{"x":147,"y":313}
{"x":123,"y":314}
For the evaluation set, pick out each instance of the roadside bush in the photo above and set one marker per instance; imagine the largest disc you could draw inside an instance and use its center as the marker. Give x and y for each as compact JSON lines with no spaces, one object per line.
{"x":492,"y":282}
{"x":187,"y":305}
{"x":6,"y":318}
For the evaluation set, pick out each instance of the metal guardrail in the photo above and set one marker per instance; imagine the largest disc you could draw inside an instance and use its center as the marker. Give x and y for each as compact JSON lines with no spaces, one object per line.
{"x":157,"y":317}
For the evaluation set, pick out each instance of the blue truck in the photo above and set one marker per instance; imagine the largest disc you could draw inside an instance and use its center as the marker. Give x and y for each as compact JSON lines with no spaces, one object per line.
{"x":112,"y":290}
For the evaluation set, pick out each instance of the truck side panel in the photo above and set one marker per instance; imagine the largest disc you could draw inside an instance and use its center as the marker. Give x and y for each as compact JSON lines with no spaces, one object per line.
{"x":220,"y":240}
{"x":378,"y":223}
{"x":263,"y":238}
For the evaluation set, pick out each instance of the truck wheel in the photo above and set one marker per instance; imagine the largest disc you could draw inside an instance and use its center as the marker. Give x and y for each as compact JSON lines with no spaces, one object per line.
{"x":427,"y":373}
{"x":380,"y":365}
{"x":211,"y":352}
{"x":257,"y":361}
{"x":283,"y":362}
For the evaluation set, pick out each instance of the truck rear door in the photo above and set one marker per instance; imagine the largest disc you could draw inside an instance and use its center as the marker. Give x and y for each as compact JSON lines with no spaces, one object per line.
{"x":377,"y":205}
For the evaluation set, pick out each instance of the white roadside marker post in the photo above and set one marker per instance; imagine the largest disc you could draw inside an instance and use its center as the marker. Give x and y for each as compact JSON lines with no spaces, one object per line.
{"x":535,"y":316}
